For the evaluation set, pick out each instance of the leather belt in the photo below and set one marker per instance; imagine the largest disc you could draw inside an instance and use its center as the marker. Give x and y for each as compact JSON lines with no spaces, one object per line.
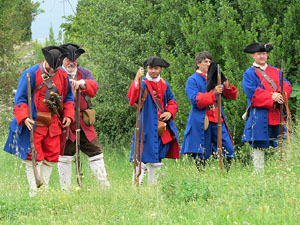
{"x":210,"y":107}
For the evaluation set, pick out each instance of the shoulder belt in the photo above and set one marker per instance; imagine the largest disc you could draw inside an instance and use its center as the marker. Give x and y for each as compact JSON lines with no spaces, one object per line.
{"x":265,"y":76}
{"x":46,"y":79}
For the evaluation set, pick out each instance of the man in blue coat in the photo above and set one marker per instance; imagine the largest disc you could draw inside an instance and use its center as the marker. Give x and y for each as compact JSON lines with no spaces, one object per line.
{"x":261,"y":83}
{"x":201,"y":132}
{"x":159,"y":104}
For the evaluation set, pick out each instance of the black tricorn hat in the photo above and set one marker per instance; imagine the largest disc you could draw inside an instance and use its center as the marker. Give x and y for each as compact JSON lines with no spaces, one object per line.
{"x":54,"y":55}
{"x":74,"y":51}
{"x":212,"y":77}
{"x":258,"y":47}
{"x":156,"y":61}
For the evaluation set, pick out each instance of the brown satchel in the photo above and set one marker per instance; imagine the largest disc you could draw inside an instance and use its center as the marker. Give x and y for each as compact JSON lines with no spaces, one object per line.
{"x":162,"y":127}
{"x":89,"y":117}
{"x":43,"y":119}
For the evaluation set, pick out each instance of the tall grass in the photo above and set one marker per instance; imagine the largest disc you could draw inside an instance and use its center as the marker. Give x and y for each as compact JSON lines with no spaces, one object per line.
{"x":183,"y":196}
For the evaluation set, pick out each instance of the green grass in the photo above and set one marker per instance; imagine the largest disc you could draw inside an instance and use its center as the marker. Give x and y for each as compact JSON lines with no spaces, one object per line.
{"x":183,"y":196}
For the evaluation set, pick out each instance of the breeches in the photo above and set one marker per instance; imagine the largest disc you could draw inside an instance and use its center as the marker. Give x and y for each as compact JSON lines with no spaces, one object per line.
{"x":46,"y":147}
{"x":90,"y":148}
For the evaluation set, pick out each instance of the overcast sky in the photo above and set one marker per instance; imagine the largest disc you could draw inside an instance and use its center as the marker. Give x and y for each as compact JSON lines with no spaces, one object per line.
{"x":54,"y":10}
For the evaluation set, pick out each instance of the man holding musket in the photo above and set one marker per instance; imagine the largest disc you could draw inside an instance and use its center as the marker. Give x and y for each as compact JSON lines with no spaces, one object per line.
{"x":49,"y":115}
{"x":261,"y":83}
{"x":159,"y":106}
{"x":201,"y":131}
{"x":83,"y":79}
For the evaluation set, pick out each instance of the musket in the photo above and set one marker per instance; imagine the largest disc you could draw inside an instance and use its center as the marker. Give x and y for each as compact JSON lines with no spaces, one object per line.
{"x":281,"y":105}
{"x":137,"y":137}
{"x":53,"y":108}
{"x":77,"y":158}
{"x":220,"y":124}
{"x":57,"y":98}
{"x":38,"y":180}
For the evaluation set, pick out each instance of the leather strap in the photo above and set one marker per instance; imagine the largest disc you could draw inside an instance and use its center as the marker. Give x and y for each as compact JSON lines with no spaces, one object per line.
{"x":46,"y":79}
{"x":271,"y":82}
{"x":157,"y":102}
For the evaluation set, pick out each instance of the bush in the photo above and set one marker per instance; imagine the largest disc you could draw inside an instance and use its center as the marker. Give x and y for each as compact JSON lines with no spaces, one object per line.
{"x":118,"y":41}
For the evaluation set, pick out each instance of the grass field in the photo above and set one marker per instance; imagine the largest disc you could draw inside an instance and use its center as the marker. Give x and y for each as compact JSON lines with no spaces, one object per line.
{"x":183,"y":196}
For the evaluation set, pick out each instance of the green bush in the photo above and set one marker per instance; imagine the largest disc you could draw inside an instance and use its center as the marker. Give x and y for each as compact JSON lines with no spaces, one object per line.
{"x":118,"y":41}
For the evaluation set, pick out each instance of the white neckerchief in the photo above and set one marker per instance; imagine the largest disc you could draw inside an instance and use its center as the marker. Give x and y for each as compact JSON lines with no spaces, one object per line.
{"x":73,"y":74}
{"x":264,"y":67}
{"x":200,"y":72}
{"x":155,"y":80}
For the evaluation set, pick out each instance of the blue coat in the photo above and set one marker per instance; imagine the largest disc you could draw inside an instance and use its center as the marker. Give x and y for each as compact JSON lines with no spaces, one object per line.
{"x":18,"y":141}
{"x":194,"y":131}
{"x":258,"y":94}
{"x":151,"y":139}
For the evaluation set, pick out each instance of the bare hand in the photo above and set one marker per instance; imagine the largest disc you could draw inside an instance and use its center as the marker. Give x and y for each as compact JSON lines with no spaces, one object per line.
{"x":140,"y":73}
{"x":277,"y":97}
{"x":226,"y":84}
{"x":218,"y":89}
{"x":165,"y":116}
{"x":29,"y":123}
{"x":75,"y":84}
{"x":66,"y":122}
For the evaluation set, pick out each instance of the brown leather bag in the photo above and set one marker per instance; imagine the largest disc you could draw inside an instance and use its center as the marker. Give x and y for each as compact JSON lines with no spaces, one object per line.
{"x":162,"y":127}
{"x":89,"y":117}
{"x":43,"y":119}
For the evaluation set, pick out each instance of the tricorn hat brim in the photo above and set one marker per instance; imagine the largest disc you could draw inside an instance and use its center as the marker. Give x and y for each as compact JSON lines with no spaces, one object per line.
{"x":156,"y":61}
{"x":54,"y":56}
{"x":74,"y":51}
{"x":258,"y":47}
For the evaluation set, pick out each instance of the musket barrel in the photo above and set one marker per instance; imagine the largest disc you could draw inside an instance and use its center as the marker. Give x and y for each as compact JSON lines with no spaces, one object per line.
{"x":219,"y":145}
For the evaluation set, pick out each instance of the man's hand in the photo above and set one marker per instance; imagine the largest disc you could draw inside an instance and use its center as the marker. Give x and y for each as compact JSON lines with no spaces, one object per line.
{"x":29,"y":123}
{"x":277,"y":97}
{"x":76,"y":84}
{"x":139,"y":74}
{"x":66,"y":122}
{"x":165,"y":116}
{"x":226,"y":84}
{"x":218,"y":89}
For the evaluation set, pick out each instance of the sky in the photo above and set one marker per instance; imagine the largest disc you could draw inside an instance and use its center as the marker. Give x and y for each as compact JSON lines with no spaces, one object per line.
{"x":54,"y":10}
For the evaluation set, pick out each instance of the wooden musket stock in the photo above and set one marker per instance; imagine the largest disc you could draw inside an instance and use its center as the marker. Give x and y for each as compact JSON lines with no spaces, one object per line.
{"x":220,"y":124}
{"x":39,"y":182}
{"x":137,"y":137}
{"x":77,"y":158}
{"x":281,"y":105}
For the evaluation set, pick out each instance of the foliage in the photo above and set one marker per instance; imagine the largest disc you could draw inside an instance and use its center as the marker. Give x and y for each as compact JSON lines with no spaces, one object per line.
{"x":186,"y":190}
{"x":118,"y":41}
{"x":15,"y":23}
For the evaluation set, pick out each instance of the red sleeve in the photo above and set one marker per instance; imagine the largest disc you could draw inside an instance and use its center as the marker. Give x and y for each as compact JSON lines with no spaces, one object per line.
{"x":262,"y":98}
{"x":21,"y":112}
{"x":230,"y":93}
{"x":133,"y":93}
{"x":69,"y":109}
{"x":205,"y":99}
{"x":91,"y":88}
{"x":172,"y":107}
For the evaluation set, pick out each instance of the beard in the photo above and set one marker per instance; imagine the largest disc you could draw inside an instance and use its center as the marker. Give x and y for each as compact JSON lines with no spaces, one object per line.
{"x":71,"y":69}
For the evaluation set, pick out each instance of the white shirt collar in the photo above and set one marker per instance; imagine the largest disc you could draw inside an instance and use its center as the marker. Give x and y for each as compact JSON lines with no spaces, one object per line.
{"x":264,"y":67}
{"x":155,"y":80}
